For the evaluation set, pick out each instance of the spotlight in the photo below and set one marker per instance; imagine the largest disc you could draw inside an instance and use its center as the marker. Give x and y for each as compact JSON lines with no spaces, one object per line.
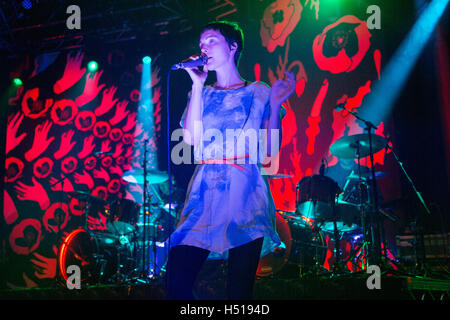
{"x":92,"y":66}
{"x":17,"y":82}
{"x":146,"y":59}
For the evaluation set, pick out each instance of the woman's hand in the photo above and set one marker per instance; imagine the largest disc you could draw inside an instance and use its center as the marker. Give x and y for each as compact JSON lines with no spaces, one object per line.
{"x":198,"y":76}
{"x":282,"y":90}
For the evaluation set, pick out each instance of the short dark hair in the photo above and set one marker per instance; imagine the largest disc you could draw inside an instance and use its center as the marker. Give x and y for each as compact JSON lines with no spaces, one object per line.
{"x":231,"y":32}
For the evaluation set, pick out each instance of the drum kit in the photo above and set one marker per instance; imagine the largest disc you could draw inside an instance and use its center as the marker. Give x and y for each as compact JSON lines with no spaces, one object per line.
{"x":127,"y":246}
{"x":324,"y":210}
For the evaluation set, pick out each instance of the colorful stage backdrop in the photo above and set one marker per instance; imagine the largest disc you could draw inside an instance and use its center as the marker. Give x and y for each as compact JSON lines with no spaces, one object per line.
{"x":64,"y":115}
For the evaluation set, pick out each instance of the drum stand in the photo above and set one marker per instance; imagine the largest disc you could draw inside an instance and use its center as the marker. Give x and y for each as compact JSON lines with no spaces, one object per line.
{"x":146,"y":211}
{"x":362,"y":208}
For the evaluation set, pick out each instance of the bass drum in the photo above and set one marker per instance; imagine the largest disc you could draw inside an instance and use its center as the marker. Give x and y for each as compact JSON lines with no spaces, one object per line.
{"x":275,"y":261}
{"x":101,"y":257}
{"x":304,"y":250}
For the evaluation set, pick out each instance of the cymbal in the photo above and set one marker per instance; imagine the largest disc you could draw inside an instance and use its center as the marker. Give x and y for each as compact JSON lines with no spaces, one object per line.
{"x":279,"y":176}
{"x":137,"y":176}
{"x":81,"y":195}
{"x":346,"y":147}
{"x":367,"y":175}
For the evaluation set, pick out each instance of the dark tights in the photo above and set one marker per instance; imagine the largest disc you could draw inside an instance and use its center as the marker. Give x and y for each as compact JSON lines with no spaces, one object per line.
{"x":185,"y":263}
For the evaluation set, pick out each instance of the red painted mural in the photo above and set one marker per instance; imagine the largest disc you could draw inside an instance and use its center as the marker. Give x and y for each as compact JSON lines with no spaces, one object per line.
{"x":57,"y":135}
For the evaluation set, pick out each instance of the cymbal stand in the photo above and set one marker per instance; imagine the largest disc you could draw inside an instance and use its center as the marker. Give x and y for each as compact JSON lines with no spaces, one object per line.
{"x":374,"y":221}
{"x":146,"y":209}
{"x":362,"y":208}
{"x":337,"y":267}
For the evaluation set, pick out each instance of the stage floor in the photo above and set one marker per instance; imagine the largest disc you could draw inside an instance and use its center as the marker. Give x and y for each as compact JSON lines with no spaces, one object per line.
{"x":344,"y":287}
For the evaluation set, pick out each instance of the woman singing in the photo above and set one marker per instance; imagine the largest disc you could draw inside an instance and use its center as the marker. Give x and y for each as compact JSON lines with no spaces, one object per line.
{"x":229,"y":210}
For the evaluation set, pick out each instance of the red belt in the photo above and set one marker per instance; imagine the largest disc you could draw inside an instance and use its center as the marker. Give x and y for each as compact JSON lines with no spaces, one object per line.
{"x":228,"y":160}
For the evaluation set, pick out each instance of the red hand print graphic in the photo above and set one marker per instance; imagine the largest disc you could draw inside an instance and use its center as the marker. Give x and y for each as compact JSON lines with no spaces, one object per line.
{"x":85,"y":179}
{"x":35,"y":192}
{"x":40,"y":142}
{"x":115,"y":169}
{"x":129,"y":152}
{"x":72,"y":73}
{"x":120,"y":113}
{"x":88,"y":146}
{"x":107,"y":101}
{"x":45,"y":267}
{"x":9,"y":209}
{"x":101,"y":174}
{"x":106,"y":146}
{"x":139,"y":129}
{"x":12,"y":140}
{"x":118,"y":151}
{"x":66,"y":144}
{"x":91,"y":89}
{"x":131,"y":122}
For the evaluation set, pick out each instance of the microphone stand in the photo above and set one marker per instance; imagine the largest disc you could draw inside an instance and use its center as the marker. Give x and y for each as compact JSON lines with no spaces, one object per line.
{"x":375,"y":255}
{"x":419,"y":235}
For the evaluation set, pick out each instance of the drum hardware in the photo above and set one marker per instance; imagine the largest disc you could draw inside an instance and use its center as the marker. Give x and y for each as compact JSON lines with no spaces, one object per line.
{"x":355,"y":147}
{"x":302,"y":252}
{"x":100,"y":257}
{"x":150,"y":213}
{"x":111,"y":256}
{"x":316,"y":200}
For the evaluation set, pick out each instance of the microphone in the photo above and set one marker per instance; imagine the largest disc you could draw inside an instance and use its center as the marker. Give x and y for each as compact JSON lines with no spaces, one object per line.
{"x":322,"y":168}
{"x":201,"y":61}
{"x":340,"y":106}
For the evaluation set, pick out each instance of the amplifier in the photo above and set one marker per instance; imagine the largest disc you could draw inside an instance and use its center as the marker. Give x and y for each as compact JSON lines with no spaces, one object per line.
{"x":436,"y":246}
